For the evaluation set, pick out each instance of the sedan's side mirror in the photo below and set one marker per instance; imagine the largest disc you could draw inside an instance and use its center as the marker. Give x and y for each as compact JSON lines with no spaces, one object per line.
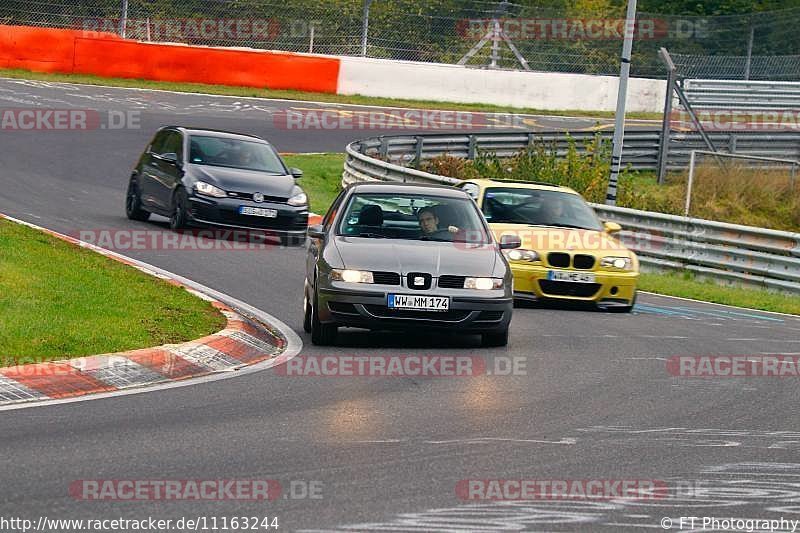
{"x":612,"y":227}
{"x":509,"y":242}
{"x":296,"y":173}
{"x":315,"y":231}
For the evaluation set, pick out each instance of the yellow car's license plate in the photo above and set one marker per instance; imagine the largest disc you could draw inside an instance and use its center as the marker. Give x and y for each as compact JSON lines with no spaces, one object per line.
{"x":570,"y":276}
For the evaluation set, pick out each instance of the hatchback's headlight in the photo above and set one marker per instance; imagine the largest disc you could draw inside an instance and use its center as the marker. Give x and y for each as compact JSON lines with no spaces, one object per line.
{"x":520,"y":254}
{"x":298,"y":199}
{"x":483,"y":284}
{"x":621,"y":263}
{"x":351,"y":276}
{"x":209,"y":190}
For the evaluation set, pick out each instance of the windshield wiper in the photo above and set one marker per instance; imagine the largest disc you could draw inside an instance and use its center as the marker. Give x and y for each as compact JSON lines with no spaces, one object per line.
{"x":573,"y":226}
{"x":371,"y":236}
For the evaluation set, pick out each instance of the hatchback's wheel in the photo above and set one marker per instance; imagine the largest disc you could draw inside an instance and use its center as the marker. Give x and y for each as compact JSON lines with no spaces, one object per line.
{"x":495,"y":339}
{"x":321,"y":334}
{"x":306,"y":313}
{"x":133,"y":203}
{"x":180,"y":216}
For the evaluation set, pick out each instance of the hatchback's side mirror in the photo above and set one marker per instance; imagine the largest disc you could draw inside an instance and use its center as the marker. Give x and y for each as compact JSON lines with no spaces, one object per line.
{"x":509,"y":242}
{"x":315,"y":231}
{"x":612,"y":227}
{"x":296,"y":173}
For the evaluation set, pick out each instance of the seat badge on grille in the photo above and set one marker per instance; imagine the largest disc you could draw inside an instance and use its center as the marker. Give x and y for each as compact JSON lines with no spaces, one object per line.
{"x":419,"y":281}
{"x":258,"y":197}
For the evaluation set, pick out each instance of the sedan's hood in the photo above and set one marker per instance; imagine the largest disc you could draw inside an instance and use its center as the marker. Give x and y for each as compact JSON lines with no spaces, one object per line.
{"x":249,"y":181}
{"x":401,"y":256}
{"x":544,"y":239}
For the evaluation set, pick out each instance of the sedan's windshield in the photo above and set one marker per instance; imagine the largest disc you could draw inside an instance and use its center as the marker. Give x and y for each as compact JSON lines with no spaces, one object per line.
{"x":234,"y":153}
{"x":538,"y":208}
{"x":413,"y":217}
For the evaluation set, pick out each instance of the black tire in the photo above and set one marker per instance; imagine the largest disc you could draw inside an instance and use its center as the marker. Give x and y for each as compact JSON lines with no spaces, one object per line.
{"x":133,"y":203}
{"x":496,"y":339}
{"x":293,"y":240}
{"x":180,"y":217}
{"x":306,"y":313}
{"x":321,"y":334}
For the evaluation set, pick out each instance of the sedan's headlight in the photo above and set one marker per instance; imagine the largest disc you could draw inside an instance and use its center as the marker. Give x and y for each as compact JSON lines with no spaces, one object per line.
{"x":621,"y":263}
{"x":520,"y":254}
{"x":298,"y":199}
{"x":351,"y":276}
{"x":209,"y":190}
{"x":483,"y":284}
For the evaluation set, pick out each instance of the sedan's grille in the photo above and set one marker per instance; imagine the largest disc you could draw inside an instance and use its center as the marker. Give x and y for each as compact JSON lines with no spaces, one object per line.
{"x":249,"y":196}
{"x":342,"y":307}
{"x":558,"y":259}
{"x":386,"y":278}
{"x":451,"y":282}
{"x":490,"y":316}
{"x":567,"y":288}
{"x":583,"y":262}
{"x":444,"y":316}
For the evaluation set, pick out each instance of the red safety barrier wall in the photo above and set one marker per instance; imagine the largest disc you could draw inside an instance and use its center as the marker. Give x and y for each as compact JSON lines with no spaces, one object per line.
{"x":105,"y":54}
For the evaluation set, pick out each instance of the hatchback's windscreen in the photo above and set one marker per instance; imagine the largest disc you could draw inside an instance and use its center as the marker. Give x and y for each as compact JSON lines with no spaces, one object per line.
{"x":234,"y":153}
{"x":413,"y":217}
{"x":538,"y":208}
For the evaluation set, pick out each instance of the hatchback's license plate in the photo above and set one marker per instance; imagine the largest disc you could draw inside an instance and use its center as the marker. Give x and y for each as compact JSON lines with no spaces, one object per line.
{"x":570,"y":276}
{"x":419,"y":303}
{"x":258,"y":211}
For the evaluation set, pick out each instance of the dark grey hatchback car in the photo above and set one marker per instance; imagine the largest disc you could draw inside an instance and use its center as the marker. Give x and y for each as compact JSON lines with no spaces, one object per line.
{"x":217,"y":178}
{"x":400,"y":256}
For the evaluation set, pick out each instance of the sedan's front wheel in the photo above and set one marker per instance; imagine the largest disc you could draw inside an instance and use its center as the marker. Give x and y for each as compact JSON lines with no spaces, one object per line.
{"x":495,"y":339}
{"x":321,"y":334}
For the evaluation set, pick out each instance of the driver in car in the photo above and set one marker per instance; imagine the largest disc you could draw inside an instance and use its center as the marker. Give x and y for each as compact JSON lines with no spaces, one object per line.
{"x":429,"y":223}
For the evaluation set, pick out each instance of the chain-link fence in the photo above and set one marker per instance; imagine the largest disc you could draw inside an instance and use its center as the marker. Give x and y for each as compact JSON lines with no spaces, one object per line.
{"x":477,"y":33}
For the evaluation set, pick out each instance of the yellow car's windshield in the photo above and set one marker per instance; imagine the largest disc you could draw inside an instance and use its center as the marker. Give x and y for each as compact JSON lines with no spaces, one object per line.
{"x":513,"y":205}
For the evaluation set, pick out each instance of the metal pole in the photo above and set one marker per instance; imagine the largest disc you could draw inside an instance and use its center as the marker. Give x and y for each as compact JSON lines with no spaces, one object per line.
{"x":689,"y":184}
{"x":495,"y":43}
{"x":365,"y":28}
{"x":749,"y":53}
{"x":311,"y":39}
{"x":666,"y":126}
{"x":619,"y":123}
{"x":123,"y":20}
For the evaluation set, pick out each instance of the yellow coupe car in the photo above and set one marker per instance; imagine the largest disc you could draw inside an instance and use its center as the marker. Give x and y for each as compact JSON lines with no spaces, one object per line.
{"x":567,"y":253}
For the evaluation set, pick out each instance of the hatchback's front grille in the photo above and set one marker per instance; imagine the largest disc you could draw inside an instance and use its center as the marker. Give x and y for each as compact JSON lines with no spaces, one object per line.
{"x":386,"y":278}
{"x":583,"y":262}
{"x":249,"y":196}
{"x":451,"y":282}
{"x":558,"y":259}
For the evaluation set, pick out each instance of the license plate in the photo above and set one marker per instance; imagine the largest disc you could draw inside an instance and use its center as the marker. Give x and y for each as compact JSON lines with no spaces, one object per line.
{"x":419,"y":303}
{"x":258,"y":211}
{"x":570,"y":276}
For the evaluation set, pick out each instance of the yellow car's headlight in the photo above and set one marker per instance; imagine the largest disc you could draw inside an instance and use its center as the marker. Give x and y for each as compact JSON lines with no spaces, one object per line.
{"x":351,"y":276}
{"x":520,"y":254}
{"x":620,"y":263}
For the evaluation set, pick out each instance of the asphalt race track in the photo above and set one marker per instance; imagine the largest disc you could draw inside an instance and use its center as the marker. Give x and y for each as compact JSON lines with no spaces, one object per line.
{"x":592,"y":400}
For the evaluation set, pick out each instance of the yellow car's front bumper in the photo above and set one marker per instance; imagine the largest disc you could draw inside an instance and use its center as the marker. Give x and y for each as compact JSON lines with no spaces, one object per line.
{"x":610,"y":287}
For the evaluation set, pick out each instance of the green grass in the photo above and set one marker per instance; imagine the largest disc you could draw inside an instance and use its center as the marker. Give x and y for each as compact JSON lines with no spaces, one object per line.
{"x":306,"y":96}
{"x":322,"y":177}
{"x":59,"y":301}
{"x":685,"y":285}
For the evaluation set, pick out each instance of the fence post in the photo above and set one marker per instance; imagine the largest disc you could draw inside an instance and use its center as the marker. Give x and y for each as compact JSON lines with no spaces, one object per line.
{"x":666,"y":127}
{"x":418,"y":151}
{"x":365,"y":28}
{"x":123,"y":19}
{"x":471,"y":148}
{"x":690,"y":182}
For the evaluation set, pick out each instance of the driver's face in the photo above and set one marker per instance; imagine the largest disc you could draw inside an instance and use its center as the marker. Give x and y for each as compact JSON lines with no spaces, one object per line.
{"x":428,"y":222}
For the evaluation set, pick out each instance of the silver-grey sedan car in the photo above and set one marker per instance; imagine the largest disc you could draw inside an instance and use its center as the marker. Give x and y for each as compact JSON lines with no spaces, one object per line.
{"x":402,"y":256}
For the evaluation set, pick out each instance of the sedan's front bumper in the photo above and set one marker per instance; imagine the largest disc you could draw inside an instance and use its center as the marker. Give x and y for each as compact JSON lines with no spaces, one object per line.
{"x":366,"y":307}
{"x":224,"y":212}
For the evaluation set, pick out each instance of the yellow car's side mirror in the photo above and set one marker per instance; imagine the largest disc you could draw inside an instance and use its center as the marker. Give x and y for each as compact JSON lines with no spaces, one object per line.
{"x":612,"y":227}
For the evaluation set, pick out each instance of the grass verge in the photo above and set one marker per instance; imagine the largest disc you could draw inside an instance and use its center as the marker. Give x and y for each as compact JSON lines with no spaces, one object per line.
{"x":686,"y":285}
{"x":59,"y":301}
{"x":227,"y":90}
{"x":321,"y":182}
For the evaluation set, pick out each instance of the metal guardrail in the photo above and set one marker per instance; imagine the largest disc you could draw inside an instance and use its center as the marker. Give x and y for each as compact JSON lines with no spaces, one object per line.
{"x":724,"y":252}
{"x":640,"y":147}
{"x":741,"y":94}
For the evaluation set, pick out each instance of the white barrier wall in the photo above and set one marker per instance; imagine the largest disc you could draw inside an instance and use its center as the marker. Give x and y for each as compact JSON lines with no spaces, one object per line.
{"x":453,"y":83}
